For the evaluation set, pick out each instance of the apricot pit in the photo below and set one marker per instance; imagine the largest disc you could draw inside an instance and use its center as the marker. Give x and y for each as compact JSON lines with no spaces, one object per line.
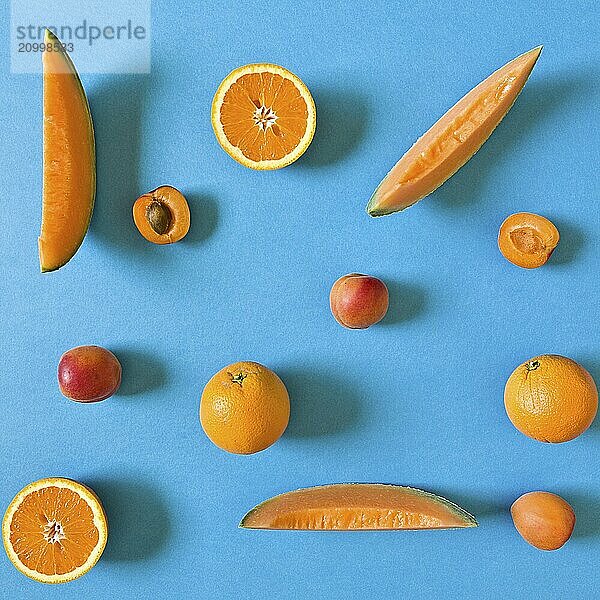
{"x":159,"y":217}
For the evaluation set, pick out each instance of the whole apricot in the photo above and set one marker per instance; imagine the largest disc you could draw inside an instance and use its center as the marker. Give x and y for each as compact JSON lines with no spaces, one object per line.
{"x":88,"y":374}
{"x":358,"y":301}
{"x":544,"y":520}
{"x":527,"y":240}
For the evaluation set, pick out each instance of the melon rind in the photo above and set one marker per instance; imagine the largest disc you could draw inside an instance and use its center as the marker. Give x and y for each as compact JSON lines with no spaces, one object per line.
{"x":69,"y":68}
{"x":467,"y":519}
{"x":393,"y":195}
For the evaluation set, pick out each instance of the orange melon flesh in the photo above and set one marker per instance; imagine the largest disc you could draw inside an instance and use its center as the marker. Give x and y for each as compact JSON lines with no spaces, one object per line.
{"x":69,"y":160}
{"x":453,"y":140}
{"x":350,"y":506}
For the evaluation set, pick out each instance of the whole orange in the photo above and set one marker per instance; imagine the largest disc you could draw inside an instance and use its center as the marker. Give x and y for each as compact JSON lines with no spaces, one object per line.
{"x":551,"y":398}
{"x":244,"y":408}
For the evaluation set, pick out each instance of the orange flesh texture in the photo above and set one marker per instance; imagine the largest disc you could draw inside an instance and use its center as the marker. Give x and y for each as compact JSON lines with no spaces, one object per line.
{"x":178,"y":208}
{"x":454,"y":138}
{"x":527,"y":240}
{"x":35,"y":521}
{"x":264,"y":95}
{"x":551,"y":399}
{"x":357,"y":506}
{"x":69,"y":178}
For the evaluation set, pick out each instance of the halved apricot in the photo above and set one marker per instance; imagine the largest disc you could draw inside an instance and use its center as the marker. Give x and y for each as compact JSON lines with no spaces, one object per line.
{"x":527,"y":240}
{"x":162,"y":215}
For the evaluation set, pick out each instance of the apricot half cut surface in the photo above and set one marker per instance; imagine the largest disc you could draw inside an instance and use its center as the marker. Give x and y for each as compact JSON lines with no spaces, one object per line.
{"x":162,"y":215}
{"x":69,"y":172}
{"x":527,"y":240}
{"x":453,"y":140}
{"x":358,"y":506}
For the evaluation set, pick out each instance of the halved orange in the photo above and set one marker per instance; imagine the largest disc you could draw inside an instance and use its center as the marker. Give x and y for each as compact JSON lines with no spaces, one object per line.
{"x":263,"y":116}
{"x":54,"y":530}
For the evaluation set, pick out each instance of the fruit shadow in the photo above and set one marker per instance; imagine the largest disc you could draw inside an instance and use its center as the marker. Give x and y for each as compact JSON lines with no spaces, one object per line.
{"x":342,"y":123}
{"x":117,"y":110}
{"x":539,"y":100}
{"x":572,"y":242}
{"x":407,"y":302}
{"x":480,"y":508}
{"x":587,"y":512}
{"x":320,"y":404}
{"x":142,"y":372}
{"x":204,"y":217}
{"x":138,"y":519}
{"x":592,"y":365}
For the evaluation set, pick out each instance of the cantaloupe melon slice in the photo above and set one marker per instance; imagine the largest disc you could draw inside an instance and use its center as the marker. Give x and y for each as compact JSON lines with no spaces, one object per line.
{"x":453,"y":140}
{"x":357,"y":506}
{"x":69,"y":160}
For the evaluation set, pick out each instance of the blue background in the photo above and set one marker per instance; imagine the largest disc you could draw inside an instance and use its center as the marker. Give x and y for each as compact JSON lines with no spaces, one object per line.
{"x":414,"y":400}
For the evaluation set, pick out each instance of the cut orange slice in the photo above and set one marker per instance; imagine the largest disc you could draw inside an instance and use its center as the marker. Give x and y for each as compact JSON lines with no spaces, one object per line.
{"x":54,"y":530}
{"x":263,"y":116}
{"x":358,"y":506}
{"x":453,"y":140}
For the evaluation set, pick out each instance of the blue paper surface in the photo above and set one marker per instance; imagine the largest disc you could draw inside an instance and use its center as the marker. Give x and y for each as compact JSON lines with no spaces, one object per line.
{"x":415,"y":400}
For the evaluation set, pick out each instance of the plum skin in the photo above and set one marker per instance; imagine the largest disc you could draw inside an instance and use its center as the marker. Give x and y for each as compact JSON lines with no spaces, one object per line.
{"x":88,"y":374}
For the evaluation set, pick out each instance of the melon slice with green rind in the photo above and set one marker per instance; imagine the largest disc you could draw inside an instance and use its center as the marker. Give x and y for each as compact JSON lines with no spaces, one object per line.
{"x":69,"y":159}
{"x":353,"y":506}
{"x":453,"y":139}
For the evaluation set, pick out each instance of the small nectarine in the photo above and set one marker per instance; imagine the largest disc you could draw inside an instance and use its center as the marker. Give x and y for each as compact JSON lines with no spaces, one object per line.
{"x":88,"y":374}
{"x":358,"y":301}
